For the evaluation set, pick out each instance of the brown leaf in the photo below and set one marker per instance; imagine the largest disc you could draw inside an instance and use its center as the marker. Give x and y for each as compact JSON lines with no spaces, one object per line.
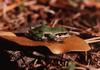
{"x":72,"y":43}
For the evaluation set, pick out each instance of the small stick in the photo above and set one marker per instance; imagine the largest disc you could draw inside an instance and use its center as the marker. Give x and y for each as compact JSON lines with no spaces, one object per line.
{"x":94,"y":38}
{"x":93,"y":41}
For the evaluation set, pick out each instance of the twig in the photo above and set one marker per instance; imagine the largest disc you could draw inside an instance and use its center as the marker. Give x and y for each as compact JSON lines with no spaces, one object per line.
{"x":93,"y":40}
{"x":76,"y":15}
{"x":55,"y":22}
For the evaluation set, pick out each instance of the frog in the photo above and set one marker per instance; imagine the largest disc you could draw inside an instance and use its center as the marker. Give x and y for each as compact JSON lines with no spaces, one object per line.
{"x":45,"y":32}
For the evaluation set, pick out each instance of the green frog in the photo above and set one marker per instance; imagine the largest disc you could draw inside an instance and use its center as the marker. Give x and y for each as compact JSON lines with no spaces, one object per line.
{"x":45,"y":32}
